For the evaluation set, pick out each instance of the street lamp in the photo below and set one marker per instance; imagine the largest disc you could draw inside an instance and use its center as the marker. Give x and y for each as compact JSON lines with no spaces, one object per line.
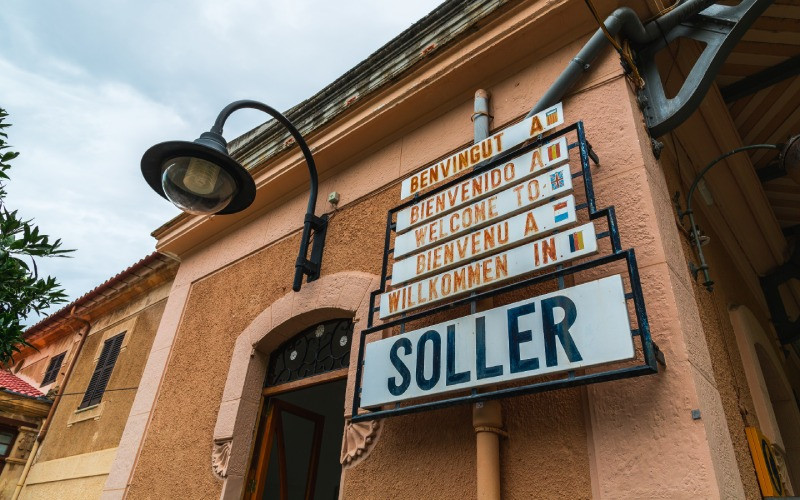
{"x":201,"y":178}
{"x":788,"y":163}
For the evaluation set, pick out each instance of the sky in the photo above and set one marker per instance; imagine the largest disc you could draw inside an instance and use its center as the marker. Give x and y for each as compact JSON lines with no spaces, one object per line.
{"x":89,"y":86}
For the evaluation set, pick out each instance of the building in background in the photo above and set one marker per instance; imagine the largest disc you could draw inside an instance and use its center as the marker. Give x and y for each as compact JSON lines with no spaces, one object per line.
{"x":249,"y":387}
{"x":89,"y":357}
{"x":22,"y":410}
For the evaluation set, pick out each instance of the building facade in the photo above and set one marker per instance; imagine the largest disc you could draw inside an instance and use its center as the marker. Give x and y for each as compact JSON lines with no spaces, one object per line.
{"x":89,"y":357}
{"x":248,"y":387}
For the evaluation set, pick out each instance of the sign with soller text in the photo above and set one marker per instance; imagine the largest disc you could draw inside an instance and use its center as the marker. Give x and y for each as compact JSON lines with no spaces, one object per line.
{"x":483,"y":212}
{"x":515,"y":170}
{"x":577,"y":327}
{"x":526,"y":226}
{"x":489,"y":271}
{"x":488,"y":148}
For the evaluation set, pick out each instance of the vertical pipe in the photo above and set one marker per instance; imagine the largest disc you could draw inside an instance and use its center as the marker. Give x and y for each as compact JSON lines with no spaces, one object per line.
{"x":487,"y":418}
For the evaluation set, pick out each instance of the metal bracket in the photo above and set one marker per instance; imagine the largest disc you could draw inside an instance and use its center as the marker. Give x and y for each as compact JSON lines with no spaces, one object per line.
{"x":720,"y":28}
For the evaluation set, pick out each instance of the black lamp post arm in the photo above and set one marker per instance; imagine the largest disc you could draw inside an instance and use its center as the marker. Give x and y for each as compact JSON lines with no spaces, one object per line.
{"x":304,"y":265}
{"x":693,"y":227}
{"x":702,"y":173}
{"x":250,"y":104}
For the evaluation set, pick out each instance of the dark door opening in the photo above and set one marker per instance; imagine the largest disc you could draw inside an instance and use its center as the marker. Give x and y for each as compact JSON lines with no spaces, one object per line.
{"x":297,"y":450}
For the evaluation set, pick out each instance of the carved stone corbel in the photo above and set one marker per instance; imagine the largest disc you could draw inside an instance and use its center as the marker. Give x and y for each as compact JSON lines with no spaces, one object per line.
{"x":359,"y":439}
{"x":220,"y":456}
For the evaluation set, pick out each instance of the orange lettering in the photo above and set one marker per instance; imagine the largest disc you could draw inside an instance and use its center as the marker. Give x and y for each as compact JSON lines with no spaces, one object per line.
{"x":447,"y":284}
{"x":475,"y":154}
{"x":414,"y":213}
{"x":459,"y":284}
{"x":533,"y":190}
{"x":536,"y":126}
{"x":518,"y":191}
{"x":419,"y":234}
{"x":508,"y":172}
{"x":530,"y":225}
{"x":432,"y":293}
{"x":486,"y":148}
{"x":463,"y":160}
{"x":536,"y":160}
{"x":498,"y":140}
{"x":487,"y":271}
{"x":549,"y":249}
{"x":473,"y":275}
{"x":502,"y":236}
{"x":448,"y":253}
{"x":501,"y":266}
{"x":394,"y":300}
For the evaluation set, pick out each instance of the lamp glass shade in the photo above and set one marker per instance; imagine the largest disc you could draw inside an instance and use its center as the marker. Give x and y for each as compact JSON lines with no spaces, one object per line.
{"x":197,"y":186}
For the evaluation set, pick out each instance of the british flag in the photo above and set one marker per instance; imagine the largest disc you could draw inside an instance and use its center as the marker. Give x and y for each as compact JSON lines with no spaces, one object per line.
{"x":556,"y":179}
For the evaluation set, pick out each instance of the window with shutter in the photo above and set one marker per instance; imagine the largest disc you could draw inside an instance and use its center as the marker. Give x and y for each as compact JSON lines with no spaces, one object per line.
{"x":52,"y":369}
{"x":102,"y":372}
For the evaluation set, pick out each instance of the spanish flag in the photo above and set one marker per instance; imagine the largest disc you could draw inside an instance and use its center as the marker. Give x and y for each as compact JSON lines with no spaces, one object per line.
{"x":576,"y":241}
{"x":553,"y":150}
{"x":552,"y":116}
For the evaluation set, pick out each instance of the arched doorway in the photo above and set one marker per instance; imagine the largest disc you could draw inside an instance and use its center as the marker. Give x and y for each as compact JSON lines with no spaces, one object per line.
{"x":775,"y":406}
{"x":784,"y":407}
{"x":298,"y":441}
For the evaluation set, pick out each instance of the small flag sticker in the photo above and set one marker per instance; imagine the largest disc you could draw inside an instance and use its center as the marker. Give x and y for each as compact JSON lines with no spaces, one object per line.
{"x":552,"y":116}
{"x":560,"y":211}
{"x":556,"y":180}
{"x":576,"y":241}
{"x":554,"y":151}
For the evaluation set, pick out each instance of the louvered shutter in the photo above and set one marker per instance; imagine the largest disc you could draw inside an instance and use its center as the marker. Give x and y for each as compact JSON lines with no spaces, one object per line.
{"x":52,"y":369}
{"x":102,"y":372}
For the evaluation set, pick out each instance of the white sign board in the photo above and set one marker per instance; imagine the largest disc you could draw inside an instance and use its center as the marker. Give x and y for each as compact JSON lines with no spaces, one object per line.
{"x":526,"y":226}
{"x":493,"y":270}
{"x":515,"y":170}
{"x":483,"y":212}
{"x":486,"y":149}
{"x":577,"y":327}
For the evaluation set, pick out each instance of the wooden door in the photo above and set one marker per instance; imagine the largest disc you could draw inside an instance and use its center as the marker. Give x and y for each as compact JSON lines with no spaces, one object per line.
{"x":272,"y":433}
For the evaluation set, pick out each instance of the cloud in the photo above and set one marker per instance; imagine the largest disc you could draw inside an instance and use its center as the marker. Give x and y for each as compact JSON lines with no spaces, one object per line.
{"x":91,"y":85}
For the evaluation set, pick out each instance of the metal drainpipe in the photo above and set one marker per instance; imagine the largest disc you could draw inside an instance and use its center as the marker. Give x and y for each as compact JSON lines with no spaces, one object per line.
{"x":625,"y":21}
{"x":487,"y":417}
{"x":46,"y":424}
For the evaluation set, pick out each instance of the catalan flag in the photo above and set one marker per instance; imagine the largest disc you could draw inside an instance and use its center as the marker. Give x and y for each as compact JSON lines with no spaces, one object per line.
{"x":556,"y":180}
{"x":552,"y":116}
{"x":553,"y":151}
{"x":560,"y":211}
{"x":576,"y":241}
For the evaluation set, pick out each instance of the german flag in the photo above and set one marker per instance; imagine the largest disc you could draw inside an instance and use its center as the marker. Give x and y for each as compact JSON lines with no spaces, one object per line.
{"x":576,"y":241}
{"x":552,"y":116}
{"x":553,"y":151}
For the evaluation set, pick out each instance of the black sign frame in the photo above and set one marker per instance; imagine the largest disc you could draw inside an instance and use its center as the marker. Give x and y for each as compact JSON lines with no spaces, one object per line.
{"x":650,"y":353}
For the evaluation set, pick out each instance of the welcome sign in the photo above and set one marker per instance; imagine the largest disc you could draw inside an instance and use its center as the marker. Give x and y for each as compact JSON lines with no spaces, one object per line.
{"x":487,"y":149}
{"x":491,"y":209}
{"x":582,"y":326}
{"x":540,"y":254}
{"x":559,"y":214}
{"x":513,"y":171}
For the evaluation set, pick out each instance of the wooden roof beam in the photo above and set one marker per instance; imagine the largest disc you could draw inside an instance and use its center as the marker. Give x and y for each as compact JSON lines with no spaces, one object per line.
{"x":761,"y":80}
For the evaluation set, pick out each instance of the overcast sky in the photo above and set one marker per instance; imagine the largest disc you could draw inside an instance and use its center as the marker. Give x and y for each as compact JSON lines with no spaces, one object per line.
{"x":89,"y":86}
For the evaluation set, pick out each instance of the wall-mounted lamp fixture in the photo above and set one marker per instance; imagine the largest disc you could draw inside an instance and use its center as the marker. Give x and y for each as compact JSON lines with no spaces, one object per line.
{"x":201,"y":178}
{"x":789,"y":161}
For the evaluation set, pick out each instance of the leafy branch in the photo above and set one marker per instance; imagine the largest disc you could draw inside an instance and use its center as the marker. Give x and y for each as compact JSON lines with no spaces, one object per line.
{"x":22,"y":291}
